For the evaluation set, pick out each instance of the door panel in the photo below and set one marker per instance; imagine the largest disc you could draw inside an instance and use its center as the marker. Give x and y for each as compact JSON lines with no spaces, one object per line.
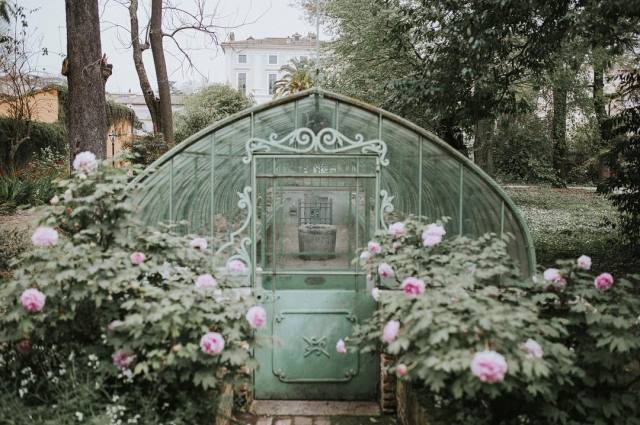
{"x":301,"y":361}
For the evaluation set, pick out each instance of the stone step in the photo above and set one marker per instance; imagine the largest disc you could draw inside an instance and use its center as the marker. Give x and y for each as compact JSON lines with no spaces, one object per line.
{"x":314,"y":408}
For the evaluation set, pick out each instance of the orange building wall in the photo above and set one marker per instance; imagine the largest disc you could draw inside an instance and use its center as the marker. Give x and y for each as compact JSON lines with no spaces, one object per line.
{"x":44,"y":106}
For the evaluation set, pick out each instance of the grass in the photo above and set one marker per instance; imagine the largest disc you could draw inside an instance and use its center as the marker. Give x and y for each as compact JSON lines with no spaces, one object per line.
{"x":566,"y":223}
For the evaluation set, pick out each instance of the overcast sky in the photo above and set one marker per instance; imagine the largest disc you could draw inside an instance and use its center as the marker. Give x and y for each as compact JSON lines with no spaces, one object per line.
{"x":257,"y":18}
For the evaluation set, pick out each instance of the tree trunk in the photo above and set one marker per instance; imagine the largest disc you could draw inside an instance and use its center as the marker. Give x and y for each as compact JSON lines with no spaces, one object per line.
{"x":598,"y":95}
{"x":87,"y":104}
{"x":599,"y":67}
{"x":483,"y":155}
{"x":559,"y":131}
{"x":164,"y":91}
{"x":147,"y":91}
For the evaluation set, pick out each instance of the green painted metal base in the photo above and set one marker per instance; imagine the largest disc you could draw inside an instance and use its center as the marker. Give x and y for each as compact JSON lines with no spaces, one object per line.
{"x":298,"y":358}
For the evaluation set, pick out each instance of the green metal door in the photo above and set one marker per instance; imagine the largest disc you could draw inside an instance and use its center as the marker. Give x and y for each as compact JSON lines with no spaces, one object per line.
{"x":312,"y":214}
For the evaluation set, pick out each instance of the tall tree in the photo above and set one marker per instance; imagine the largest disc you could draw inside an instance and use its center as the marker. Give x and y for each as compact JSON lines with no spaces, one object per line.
{"x":153,"y":103}
{"x":446,"y":64}
{"x":164,"y":88}
{"x":168,"y":20}
{"x":84,"y":70}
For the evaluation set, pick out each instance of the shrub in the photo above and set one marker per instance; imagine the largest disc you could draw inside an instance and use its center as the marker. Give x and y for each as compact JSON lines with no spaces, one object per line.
{"x":43,"y":135}
{"x":474,"y":302}
{"x":13,"y":242}
{"x":208,"y":105}
{"x":35,"y":183}
{"x":145,"y":150}
{"x":141,"y":315}
{"x":522,"y":150}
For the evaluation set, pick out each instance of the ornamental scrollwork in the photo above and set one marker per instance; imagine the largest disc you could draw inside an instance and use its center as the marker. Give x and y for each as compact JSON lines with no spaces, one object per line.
{"x":328,"y":140}
{"x":317,"y":346}
{"x":386,"y":206}
{"x":241,"y":251}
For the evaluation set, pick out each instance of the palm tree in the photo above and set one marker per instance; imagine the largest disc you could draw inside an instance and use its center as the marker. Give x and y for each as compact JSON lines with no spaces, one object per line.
{"x":297,"y":77}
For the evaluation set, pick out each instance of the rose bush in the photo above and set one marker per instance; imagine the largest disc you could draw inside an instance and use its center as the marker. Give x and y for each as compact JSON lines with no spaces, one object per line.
{"x":486,"y":346}
{"x":141,"y":299}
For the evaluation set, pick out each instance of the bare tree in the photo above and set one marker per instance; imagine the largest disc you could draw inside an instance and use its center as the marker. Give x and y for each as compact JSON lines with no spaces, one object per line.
{"x":156,"y":36}
{"x":17,"y":84}
{"x":85,"y":68}
{"x":153,"y":103}
{"x":168,"y":20}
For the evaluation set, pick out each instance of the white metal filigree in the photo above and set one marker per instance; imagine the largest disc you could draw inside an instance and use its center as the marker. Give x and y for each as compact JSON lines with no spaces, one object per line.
{"x":386,"y":206}
{"x":241,"y":251}
{"x":305,"y":140}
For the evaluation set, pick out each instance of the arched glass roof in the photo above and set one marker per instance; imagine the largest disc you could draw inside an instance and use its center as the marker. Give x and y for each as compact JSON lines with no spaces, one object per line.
{"x":200,"y":180}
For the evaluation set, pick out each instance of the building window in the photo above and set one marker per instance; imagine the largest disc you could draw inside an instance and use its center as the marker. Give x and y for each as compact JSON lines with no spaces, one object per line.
{"x":272,"y":83}
{"x":273,"y":59}
{"x":242,"y":58}
{"x":242,"y":82}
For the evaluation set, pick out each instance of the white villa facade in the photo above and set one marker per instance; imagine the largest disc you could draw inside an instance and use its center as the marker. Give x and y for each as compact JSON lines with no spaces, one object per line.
{"x":253,"y":65}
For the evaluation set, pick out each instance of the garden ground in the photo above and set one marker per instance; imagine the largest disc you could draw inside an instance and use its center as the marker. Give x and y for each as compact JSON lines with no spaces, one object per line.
{"x":566,"y":223}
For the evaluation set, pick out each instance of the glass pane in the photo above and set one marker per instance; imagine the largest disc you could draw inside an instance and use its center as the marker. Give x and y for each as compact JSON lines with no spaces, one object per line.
{"x":401,"y":178}
{"x":480,"y":206}
{"x":440,"y":186}
{"x":315,"y":222}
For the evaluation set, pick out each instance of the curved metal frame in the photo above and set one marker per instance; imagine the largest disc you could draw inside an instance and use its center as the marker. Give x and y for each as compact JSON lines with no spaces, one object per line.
{"x":468,"y":164}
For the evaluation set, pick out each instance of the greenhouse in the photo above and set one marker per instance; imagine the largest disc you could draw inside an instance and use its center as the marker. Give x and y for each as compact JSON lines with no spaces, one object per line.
{"x":294,"y":189}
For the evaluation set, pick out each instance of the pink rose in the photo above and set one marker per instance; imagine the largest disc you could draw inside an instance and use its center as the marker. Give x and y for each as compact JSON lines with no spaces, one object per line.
{"x":374,"y":247}
{"x":111,"y":327}
{"x":122,"y":359}
{"x":85,"y":161}
{"x":206,"y":281}
{"x":385,"y":271}
{"x":23,"y":347}
{"x":433,"y":234}
{"x":554,"y":276}
{"x":584,"y":262}
{"x":364,"y":256}
{"x":401,"y":370}
{"x":489,"y":366}
{"x":375,"y":293}
{"x":257,"y":317}
{"x":341,"y":347}
{"x":412,"y":287}
{"x":533,"y":349}
{"x":44,"y":236}
{"x":397,"y":229}
{"x":237,"y":267}
{"x":390,"y":331}
{"x":604,"y":281}
{"x":32,"y":300}
{"x":212,"y":343}
{"x":199,"y":243}
{"x":137,"y":258}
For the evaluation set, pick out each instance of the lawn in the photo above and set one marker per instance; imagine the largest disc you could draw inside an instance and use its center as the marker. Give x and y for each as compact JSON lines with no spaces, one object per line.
{"x":566,"y":223}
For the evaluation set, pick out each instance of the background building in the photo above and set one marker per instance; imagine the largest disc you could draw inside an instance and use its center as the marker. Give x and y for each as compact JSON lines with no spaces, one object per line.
{"x":253,"y":65}
{"x":136,"y":102}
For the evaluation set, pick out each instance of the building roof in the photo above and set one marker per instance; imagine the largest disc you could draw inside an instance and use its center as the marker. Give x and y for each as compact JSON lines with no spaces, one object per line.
{"x":295,"y":41}
{"x":138,"y":99}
